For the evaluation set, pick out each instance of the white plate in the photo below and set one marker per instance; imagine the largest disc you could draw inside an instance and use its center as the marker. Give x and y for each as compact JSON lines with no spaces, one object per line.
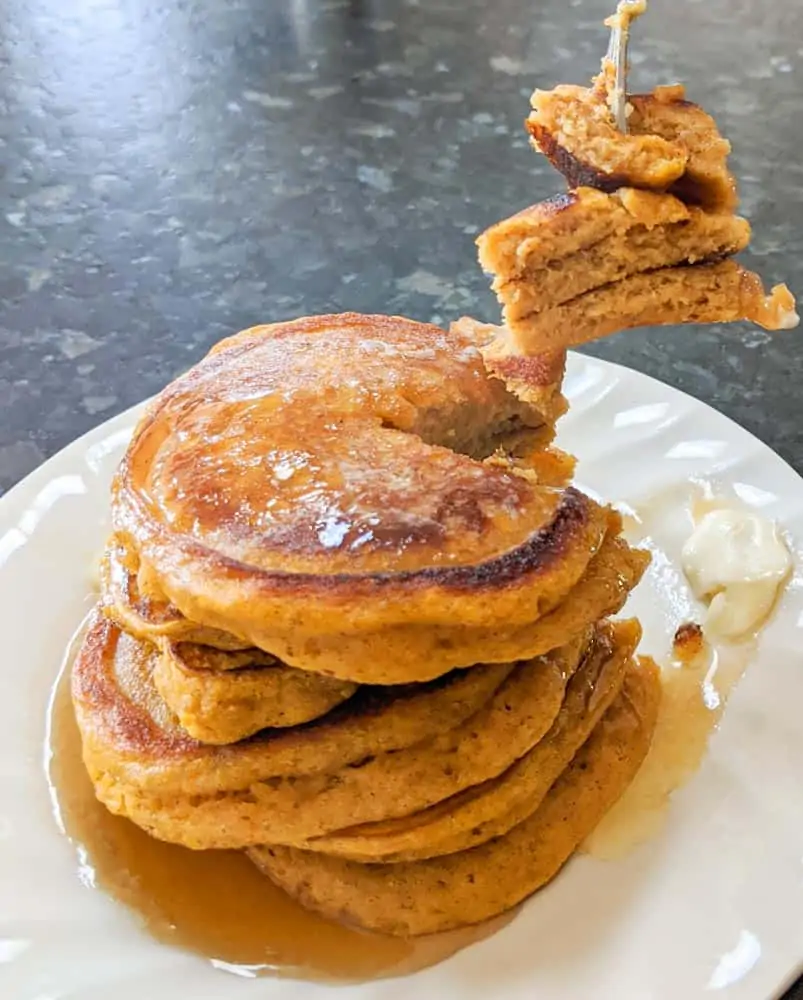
{"x":712,"y":903}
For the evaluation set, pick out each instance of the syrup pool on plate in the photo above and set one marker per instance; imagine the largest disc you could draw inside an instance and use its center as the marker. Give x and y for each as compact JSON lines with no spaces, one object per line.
{"x":696,"y":688}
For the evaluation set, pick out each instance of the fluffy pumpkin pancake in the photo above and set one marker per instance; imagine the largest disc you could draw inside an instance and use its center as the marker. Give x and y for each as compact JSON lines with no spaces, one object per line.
{"x":495,"y":807}
{"x":423,"y":897}
{"x":420,"y":653}
{"x":576,"y":242}
{"x":149,"y":615}
{"x":324,"y":477}
{"x":133,"y":737}
{"x":670,"y":144}
{"x":222,"y":696}
{"x":702,"y":293}
{"x":122,"y":723}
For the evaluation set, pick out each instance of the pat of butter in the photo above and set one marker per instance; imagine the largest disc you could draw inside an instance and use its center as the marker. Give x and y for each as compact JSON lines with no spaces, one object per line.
{"x":736,"y":560}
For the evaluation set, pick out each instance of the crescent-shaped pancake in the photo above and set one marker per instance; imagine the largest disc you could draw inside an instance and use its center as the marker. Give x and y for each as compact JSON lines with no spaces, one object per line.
{"x":223,"y":696}
{"x":325,"y":479}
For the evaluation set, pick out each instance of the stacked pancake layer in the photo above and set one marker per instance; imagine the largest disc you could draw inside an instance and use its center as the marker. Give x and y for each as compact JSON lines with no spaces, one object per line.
{"x":354,"y":622}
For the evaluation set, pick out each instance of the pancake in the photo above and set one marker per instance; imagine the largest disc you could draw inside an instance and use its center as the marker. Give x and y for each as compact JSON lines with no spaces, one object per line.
{"x":221,"y":696}
{"x":702,"y":293}
{"x":495,"y":807}
{"x":538,"y":384}
{"x":149,"y":615}
{"x":424,"y":897}
{"x":324,"y":478}
{"x":238,"y":799}
{"x":571,"y":244}
{"x":671,"y":144}
{"x":587,"y":264}
{"x":134,"y":738}
{"x":422,"y":653}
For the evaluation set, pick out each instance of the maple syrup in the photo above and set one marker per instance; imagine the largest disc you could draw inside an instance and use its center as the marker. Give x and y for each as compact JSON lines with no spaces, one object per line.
{"x":693,"y":699}
{"x":697,"y":678}
{"x":217,"y":903}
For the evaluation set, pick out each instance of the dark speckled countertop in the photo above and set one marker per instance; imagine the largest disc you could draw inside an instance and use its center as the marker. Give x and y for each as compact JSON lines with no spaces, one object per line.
{"x":174,"y":170}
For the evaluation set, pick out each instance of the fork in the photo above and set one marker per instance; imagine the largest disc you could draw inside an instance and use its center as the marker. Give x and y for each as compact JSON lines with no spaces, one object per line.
{"x":616,"y":59}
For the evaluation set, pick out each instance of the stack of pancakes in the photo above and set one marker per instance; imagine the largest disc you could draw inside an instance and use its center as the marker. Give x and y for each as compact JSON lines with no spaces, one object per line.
{"x":354,"y":622}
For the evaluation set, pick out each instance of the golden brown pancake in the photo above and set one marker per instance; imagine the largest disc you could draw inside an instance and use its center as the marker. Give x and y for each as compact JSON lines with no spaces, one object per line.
{"x":571,"y":244}
{"x":423,"y":897}
{"x":700,"y":293}
{"x":222,"y":696}
{"x":149,"y":616}
{"x":205,"y":797}
{"x":495,"y":807}
{"x":135,"y":738}
{"x":671,"y":144}
{"x":322,"y":479}
{"x":421,"y":653}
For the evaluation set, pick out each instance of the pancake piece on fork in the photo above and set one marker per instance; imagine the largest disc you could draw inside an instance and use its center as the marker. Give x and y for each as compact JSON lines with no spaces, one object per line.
{"x":671,"y":144}
{"x":586,"y":264}
{"x":644,"y":235}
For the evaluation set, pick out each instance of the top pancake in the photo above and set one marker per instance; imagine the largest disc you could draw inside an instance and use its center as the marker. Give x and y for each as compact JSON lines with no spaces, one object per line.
{"x":326,"y":475}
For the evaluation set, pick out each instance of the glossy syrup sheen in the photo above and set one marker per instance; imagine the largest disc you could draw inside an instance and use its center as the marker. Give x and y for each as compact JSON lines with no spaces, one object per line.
{"x":216,"y":903}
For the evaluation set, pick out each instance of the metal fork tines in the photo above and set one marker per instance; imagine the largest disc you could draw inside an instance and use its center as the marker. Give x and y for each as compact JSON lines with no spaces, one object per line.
{"x":626,"y":12}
